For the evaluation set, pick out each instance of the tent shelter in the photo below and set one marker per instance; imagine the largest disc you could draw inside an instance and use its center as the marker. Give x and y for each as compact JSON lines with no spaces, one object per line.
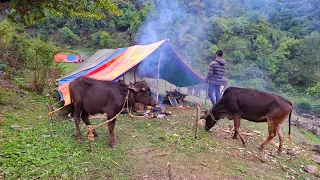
{"x":157,"y":60}
{"x":67,"y":58}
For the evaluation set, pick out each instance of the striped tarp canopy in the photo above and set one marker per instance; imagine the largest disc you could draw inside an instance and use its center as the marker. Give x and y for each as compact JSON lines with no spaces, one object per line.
{"x":146,"y":58}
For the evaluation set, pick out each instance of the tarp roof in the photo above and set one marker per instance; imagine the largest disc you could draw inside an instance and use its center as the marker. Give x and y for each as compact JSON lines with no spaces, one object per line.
{"x":67,"y":58}
{"x":99,"y":57}
{"x":172,"y":68}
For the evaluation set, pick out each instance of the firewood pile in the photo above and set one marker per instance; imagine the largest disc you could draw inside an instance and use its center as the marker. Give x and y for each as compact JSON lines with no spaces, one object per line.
{"x":180,"y":98}
{"x":151,"y":112}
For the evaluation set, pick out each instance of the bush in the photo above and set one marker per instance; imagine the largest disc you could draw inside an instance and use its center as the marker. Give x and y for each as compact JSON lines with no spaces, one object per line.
{"x":100,"y":40}
{"x":3,"y":67}
{"x":302,"y":105}
{"x":315,"y":109}
{"x":105,"y":39}
{"x":314,"y":91}
{"x":68,"y":36}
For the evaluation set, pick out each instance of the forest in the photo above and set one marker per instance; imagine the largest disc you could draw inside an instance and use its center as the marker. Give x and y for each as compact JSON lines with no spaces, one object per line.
{"x":269,"y":45}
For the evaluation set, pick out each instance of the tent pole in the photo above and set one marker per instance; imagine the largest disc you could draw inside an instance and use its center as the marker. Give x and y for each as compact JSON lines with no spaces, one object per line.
{"x":158,"y":77}
{"x":134,"y":75}
{"x":165,"y":86}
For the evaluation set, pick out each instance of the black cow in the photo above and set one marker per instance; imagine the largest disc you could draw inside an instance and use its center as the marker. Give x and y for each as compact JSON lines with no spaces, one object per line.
{"x":253,"y":105}
{"x":90,"y":96}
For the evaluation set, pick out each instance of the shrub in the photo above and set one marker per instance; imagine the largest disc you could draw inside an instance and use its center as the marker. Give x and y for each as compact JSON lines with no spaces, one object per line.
{"x":100,"y":40}
{"x":3,"y":67}
{"x":302,"y":105}
{"x":68,"y":36}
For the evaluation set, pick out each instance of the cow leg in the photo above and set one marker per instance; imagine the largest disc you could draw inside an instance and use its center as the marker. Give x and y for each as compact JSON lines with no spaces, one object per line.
{"x":281,"y":137}
{"x":77,"y":121}
{"x":112,"y":139}
{"x":85,"y":118}
{"x":272,"y":134}
{"x":237,"y":129}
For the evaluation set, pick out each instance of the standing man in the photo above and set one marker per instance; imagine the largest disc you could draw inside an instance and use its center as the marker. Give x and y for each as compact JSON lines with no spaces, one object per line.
{"x":215,"y":77}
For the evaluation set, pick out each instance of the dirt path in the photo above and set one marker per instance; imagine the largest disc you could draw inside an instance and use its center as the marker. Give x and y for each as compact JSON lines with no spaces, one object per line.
{"x":5,"y":84}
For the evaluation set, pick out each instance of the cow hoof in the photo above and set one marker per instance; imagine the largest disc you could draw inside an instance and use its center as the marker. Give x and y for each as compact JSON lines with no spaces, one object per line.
{"x":96,"y":135}
{"x":79,"y":141}
{"x":261,"y":148}
{"x":234,"y":137}
{"x":244,"y":145}
{"x":113,"y":145}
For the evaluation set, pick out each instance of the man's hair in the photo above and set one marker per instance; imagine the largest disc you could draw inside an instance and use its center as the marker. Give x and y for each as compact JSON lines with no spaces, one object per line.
{"x":219,"y":53}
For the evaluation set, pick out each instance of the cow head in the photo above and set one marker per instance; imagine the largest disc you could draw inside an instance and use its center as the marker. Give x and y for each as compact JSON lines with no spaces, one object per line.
{"x":142,"y":93}
{"x":211,"y":119}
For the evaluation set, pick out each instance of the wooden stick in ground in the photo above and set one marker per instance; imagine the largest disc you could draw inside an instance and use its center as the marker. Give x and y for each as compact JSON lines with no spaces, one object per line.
{"x":169,"y":171}
{"x":197,"y":127}
{"x":159,"y":60}
{"x":90,"y":129}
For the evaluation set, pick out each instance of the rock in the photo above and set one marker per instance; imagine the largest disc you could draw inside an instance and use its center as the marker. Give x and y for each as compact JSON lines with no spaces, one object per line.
{"x":15,"y":127}
{"x":310,"y":169}
{"x":316,"y":158}
{"x":316,"y":148}
{"x":235,"y":178}
{"x":258,"y":132}
{"x":292,"y":152}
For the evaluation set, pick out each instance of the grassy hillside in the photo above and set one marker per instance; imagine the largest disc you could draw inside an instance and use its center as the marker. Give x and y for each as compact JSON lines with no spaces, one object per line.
{"x":145,"y":146}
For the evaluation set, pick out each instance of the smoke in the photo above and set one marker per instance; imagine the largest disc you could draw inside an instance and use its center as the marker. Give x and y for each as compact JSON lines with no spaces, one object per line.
{"x":160,"y":21}
{"x":169,"y":19}
{"x":182,"y":23}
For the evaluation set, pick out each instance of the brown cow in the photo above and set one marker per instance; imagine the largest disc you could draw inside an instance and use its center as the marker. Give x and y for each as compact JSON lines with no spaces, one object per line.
{"x":253,"y":105}
{"x":90,"y":96}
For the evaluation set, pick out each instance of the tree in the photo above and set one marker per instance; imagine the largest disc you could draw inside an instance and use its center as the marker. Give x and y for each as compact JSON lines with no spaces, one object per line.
{"x":68,"y":36}
{"x":39,"y":60}
{"x":105,"y":39}
{"x":33,"y":11}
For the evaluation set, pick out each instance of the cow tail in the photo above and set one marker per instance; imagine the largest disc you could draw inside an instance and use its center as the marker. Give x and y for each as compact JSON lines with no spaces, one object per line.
{"x":289,"y":134}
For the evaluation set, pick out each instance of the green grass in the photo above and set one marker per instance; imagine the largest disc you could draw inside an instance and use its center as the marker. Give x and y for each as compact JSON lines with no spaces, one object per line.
{"x":67,"y":67}
{"x":41,"y":150}
{"x":313,"y":138}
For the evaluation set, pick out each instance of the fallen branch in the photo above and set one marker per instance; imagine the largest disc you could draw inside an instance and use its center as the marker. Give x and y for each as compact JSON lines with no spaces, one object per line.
{"x":169,"y":171}
{"x":197,"y":124}
{"x":114,"y":162}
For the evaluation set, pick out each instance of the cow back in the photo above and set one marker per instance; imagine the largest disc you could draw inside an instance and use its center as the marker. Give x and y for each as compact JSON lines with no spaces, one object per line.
{"x":251,"y":104}
{"x":96,"y":96}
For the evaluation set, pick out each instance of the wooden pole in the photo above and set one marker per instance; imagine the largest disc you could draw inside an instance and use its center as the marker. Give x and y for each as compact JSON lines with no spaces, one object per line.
{"x":197,"y":123}
{"x":165,"y":86}
{"x":169,"y":170}
{"x":158,"y":76}
{"x":134,"y":75}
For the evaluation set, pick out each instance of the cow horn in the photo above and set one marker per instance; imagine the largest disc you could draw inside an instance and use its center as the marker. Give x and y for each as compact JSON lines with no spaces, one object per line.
{"x":131,"y":86}
{"x":206,"y":114}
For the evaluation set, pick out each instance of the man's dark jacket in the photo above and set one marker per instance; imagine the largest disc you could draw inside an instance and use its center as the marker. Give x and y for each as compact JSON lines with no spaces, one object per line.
{"x":216,"y":72}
